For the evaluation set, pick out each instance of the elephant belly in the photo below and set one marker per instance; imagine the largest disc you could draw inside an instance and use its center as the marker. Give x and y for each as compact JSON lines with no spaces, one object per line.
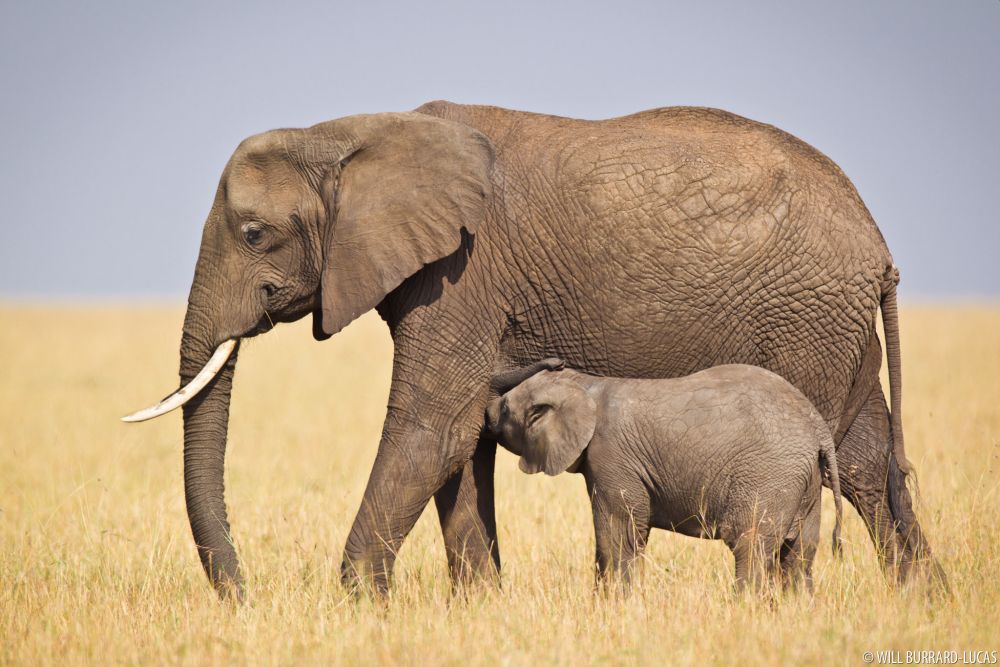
{"x":690,"y":525}
{"x":689,"y":472}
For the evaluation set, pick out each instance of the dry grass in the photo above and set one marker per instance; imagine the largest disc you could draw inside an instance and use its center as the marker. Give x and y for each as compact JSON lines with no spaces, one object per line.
{"x":97,"y":564}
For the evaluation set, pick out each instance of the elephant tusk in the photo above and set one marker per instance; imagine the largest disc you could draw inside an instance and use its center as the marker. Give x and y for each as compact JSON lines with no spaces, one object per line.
{"x":191,"y":389}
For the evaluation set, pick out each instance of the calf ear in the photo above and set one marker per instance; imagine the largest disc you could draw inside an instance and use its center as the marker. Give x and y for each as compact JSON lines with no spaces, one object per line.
{"x":558,"y":439}
{"x":407,"y":187}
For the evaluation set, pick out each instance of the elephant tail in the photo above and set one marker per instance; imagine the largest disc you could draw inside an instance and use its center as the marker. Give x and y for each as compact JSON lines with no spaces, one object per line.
{"x":828,"y":461}
{"x":890,"y":320}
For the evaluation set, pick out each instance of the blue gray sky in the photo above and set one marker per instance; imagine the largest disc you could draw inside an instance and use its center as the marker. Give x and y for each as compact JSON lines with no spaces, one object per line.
{"x":116,"y":118}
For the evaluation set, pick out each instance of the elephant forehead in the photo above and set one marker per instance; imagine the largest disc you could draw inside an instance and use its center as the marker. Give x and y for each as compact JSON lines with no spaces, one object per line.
{"x":518,"y":400}
{"x":262,"y":191}
{"x":541,"y":387}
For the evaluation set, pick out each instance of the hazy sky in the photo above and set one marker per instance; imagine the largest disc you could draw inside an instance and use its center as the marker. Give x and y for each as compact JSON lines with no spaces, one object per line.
{"x":116,"y":118}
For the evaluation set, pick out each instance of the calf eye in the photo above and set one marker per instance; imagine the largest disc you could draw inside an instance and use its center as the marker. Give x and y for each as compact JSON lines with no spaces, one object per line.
{"x":537,"y":413}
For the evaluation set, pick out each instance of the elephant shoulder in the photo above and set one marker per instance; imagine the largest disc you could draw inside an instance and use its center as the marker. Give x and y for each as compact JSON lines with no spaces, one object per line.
{"x":492,"y":121}
{"x":466,"y":114}
{"x":438,"y":108}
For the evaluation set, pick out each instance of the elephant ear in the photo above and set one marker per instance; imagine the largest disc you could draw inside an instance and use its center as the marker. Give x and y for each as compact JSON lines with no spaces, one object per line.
{"x":559,"y":437}
{"x":400,"y":198}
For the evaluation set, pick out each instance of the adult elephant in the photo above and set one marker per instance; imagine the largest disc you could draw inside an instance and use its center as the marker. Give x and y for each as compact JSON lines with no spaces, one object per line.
{"x":651,"y":245}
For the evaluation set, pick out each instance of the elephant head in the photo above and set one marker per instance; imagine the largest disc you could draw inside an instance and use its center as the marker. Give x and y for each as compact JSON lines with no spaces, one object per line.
{"x":549,"y":419}
{"x":325,"y":220}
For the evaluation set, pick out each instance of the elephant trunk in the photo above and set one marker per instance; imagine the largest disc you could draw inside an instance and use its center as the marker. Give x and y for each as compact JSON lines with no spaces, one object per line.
{"x":206,"y":420}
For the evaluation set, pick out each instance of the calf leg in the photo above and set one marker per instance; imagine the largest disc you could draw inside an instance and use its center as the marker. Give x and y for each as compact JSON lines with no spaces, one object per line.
{"x":797,"y":554}
{"x":621,"y":529}
{"x":755,"y":562}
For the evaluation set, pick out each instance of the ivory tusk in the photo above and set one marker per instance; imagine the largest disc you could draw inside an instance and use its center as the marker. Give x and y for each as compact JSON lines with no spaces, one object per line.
{"x":191,"y":389}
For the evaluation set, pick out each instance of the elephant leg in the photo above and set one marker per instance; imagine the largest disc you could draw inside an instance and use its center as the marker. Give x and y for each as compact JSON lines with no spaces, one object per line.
{"x":872,"y":482}
{"x":399,"y":487}
{"x":755,"y":563}
{"x":468,"y":519}
{"x":434,"y":419}
{"x":863,"y":458}
{"x":797,"y":554}
{"x":410,"y":467}
{"x":621,"y":530}
{"x":756,"y":552}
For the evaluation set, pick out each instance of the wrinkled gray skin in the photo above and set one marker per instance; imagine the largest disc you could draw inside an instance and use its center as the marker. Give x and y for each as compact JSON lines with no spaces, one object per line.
{"x":646,"y":246}
{"x":732,"y":453}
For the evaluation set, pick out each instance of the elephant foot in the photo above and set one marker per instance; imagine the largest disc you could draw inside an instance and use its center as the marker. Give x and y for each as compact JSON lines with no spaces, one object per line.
{"x":362,"y":578}
{"x":232,"y":591}
{"x":473,"y":569}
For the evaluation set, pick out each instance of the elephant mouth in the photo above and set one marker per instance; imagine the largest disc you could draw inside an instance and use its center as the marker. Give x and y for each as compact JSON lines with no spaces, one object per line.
{"x":280,"y":312}
{"x":263,"y":325}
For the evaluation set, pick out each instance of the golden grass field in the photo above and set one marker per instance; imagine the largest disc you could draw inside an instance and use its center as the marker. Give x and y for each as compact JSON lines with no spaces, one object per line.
{"x":97,"y":564}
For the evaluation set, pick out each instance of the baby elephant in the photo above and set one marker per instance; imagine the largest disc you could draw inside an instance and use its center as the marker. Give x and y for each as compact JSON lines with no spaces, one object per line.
{"x":731,"y":453}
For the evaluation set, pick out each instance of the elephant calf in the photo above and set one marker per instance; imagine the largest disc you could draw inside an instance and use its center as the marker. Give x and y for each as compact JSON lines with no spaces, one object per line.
{"x":731,"y":453}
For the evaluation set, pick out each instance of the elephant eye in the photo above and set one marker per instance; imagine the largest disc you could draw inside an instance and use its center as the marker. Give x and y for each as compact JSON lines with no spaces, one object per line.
{"x":253,"y":233}
{"x":537,"y":413}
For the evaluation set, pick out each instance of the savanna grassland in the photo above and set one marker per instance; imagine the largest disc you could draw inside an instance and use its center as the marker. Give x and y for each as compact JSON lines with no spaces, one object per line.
{"x":97,"y":564}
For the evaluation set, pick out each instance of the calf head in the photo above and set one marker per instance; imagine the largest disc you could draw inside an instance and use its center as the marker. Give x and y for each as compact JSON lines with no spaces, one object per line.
{"x":549,"y":419}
